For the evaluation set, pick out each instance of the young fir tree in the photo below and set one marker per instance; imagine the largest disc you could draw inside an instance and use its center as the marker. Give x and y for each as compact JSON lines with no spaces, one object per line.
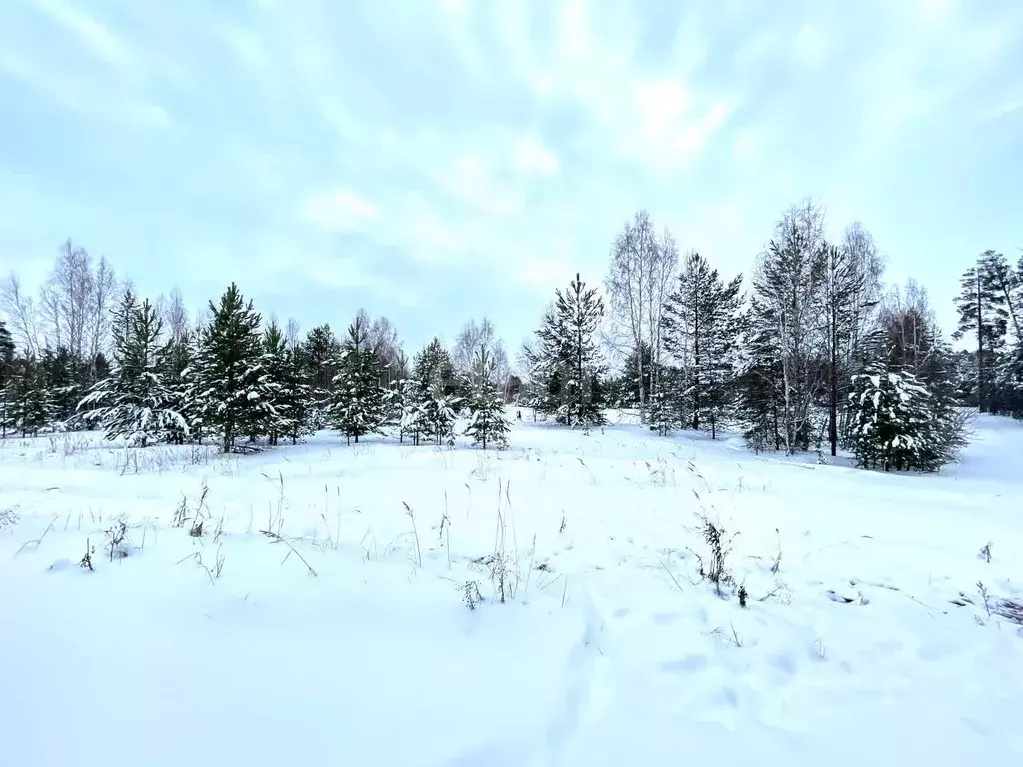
{"x":487,"y":422}
{"x":983,"y":315}
{"x":758,"y":385}
{"x":893,"y":424}
{"x":224,"y":374}
{"x":275,"y":366}
{"x":436,"y":391}
{"x":544,"y":367}
{"x":701,"y":331}
{"x":62,"y":376}
{"x":570,"y":355}
{"x":320,"y":353}
{"x":28,"y":408}
{"x":298,"y":395}
{"x":358,"y":403}
{"x":135,"y":402}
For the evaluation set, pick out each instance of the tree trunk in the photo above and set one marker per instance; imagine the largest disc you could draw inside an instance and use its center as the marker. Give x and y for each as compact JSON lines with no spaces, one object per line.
{"x":981,"y":404}
{"x":833,"y":405}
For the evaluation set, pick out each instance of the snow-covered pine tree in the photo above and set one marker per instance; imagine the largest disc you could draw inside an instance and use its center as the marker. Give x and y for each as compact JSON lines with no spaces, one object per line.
{"x":758,"y":385}
{"x":701,"y":332}
{"x":275,"y":368}
{"x":436,"y":389}
{"x":1008,"y":376}
{"x":488,"y":424}
{"x":983,"y":316}
{"x":358,"y":401}
{"x":28,"y":407}
{"x":540,"y":360}
{"x":62,"y":377}
{"x":224,"y":372}
{"x":320,"y":353}
{"x":570,"y":354}
{"x":662,"y":420}
{"x":788,"y":284}
{"x":298,"y":394}
{"x":893,"y":421}
{"x":7,"y":350}
{"x":136,"y":402}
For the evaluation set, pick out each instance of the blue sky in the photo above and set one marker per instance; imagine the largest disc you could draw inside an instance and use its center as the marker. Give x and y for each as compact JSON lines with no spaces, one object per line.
{"x":438,"y":160}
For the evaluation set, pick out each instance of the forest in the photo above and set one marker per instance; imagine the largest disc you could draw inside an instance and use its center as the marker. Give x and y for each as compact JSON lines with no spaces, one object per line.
{"x":812,"y":351}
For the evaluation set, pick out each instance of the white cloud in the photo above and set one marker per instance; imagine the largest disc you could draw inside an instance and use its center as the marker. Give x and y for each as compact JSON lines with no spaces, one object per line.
{"x":92,"y":34}
{"x":339,"y":210}
{"x":811,"y":46}
{"x":534,"y":158}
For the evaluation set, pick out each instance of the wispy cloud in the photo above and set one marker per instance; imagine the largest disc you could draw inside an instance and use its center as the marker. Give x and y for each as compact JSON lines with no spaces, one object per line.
{"x":399,"y":154}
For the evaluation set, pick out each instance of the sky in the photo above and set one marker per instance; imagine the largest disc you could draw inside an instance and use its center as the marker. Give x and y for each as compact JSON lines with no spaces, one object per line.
{"x":441,"y":160}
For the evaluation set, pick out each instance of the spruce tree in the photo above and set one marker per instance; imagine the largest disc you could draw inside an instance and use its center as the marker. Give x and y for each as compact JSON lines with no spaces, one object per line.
{"x":28,"y":408}
{"x":320,"y":353}
{"x":488,"y":424}
{"x":358,"y":404}
{"x":569,"y":354}
{"x":436,"y":388}
{"x":701,"y":331}
{"x":275,"y":369}
{"x":893,"y":424}
{"x":759,"y":384}
{"x":298,"y":396}
{"x":224,"y":374}
{"x":135,"y":402}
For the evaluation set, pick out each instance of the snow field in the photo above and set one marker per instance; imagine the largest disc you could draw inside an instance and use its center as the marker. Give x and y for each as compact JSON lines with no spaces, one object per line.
{"x":612,"y":652}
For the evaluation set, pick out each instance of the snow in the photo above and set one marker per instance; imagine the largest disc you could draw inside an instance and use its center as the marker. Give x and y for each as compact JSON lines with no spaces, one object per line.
{"x":612,"y":651}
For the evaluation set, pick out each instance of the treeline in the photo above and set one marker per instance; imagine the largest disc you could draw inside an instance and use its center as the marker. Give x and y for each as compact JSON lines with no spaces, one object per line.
{"x":817,"y":354}
{"x":233,"y":377}
{"x":811,"y":352}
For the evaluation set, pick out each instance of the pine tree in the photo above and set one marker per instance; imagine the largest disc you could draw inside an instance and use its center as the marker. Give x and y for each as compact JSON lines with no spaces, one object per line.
{"x":298,"y":396}
{"x":568,"y":357}
{"x":788,"y":288}
{"x":487,"y":422}
{"x":275,"y":369}
{"x":358,"y":404}
{"x":759,"y":383}
{"x":436,"y":389}
{"x":135,"y":402}
{"x":320,"y":352}
{"x":28,"y":408}
{"x":701,"y":329}
{"x":892,"y":417}
{"x":62,"y":375}
{"x":224,"y":375}
{"x":844,"y":285}
{"x":984,"y":316}
{"x":7,"y":350}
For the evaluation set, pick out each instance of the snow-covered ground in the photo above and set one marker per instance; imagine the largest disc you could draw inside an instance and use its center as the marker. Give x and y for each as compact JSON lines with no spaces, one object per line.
{"x":344,"y":636}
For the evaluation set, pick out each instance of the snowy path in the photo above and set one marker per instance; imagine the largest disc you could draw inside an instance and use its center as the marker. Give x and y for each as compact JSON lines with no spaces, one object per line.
{"x":612,"y":653}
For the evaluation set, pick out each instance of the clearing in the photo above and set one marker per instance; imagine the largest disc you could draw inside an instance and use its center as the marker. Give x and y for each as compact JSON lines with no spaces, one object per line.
{"x":321,"y":618}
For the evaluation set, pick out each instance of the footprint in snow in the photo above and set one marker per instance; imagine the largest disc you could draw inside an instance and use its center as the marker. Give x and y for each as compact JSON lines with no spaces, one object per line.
{"x":620,"y":613}
{"x":784,"y":663}
{"x":664,"y":619}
